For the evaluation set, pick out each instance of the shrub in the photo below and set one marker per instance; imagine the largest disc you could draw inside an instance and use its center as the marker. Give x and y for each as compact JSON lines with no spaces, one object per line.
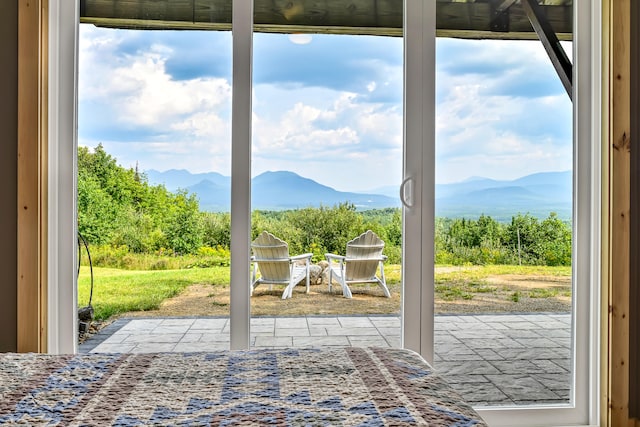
{"x":160,"y":264}
{"x":216,"y":229}
{"x":105,"y":255}
{"x":394,"y":253}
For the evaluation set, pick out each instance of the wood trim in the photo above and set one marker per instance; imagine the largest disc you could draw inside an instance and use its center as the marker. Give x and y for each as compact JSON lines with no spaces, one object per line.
{"x":605,"y":275}
{"x":32,"y":132}
{"x":618,"y":151}
{"x":634,"y":250}
{"x":43,"y":172}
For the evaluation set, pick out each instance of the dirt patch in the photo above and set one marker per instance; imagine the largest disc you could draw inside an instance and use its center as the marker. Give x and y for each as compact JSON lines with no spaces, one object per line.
{"x":207,"y":300}
{"x":497,"y":294}
{"x":530,"y":282}
{"x":507,"y":293}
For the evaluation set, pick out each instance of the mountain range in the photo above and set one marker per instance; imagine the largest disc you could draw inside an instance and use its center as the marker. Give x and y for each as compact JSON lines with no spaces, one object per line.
{"x":269,"y":191}
{"x":537,"y":194}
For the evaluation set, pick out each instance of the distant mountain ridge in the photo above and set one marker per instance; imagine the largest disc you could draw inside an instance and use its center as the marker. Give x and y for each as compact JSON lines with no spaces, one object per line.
{"x":277,"y":190}
{"x":537,"y":194}
{"x":174,"y":179}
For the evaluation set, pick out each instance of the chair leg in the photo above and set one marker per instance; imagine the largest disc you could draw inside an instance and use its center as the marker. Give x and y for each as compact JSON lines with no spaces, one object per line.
{"x":384,"y":287}
{"x":346,"y":291}
{"x":330,"y":280}
{"x":383,"y":282}
{"x":288,"y":291}
{"x":254,"y":278}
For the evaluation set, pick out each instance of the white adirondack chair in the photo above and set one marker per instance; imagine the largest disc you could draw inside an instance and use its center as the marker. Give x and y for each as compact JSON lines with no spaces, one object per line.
{"x":363,"y":257}
{"x":271,"y":258}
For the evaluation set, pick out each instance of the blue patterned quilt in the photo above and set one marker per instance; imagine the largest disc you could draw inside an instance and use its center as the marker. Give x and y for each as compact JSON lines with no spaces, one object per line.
{"x":306,"y":387}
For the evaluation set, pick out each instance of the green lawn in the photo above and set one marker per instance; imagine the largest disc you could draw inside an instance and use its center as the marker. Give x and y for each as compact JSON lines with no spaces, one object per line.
{"x":480,"y":271}
{"x":119,"y":291}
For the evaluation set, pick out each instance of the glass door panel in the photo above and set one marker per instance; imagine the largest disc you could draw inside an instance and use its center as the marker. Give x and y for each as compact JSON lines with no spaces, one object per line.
{"x":154,"y":179}
{"x":504,"y":222}
{"x":327,"y":150}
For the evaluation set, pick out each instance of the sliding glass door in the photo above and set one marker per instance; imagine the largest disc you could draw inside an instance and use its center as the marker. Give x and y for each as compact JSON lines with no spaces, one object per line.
{"x":326,"y":166}
{"x":417,"y":194}
{"x":504,"y":212}
{"x":570,"y":335}
{"x":154,"y":167}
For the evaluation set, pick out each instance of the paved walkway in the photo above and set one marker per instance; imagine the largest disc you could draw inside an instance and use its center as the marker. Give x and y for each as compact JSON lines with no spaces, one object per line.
{"x":510,"y":359}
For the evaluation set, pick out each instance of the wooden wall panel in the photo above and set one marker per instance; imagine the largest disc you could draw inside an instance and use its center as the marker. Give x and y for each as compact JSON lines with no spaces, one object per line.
{"x":619,"y":145}
{"x":8,"y":174}
{"x":32,"y":130}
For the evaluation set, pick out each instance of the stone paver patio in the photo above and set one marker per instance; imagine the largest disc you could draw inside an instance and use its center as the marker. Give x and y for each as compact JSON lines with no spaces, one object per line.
{"x":502,"y":359}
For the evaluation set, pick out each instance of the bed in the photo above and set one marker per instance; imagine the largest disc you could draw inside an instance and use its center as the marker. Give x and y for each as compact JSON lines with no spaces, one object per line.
{"x":346,"y":386}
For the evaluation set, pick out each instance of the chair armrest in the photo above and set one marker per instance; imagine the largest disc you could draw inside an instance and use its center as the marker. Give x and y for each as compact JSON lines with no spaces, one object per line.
{"x":302,"y":256}
{"x":334,"y":257}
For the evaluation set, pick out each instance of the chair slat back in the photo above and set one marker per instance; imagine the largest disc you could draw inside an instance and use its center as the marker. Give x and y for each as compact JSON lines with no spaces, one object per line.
{"x":363,"y":255}
{"x":272,"y":255}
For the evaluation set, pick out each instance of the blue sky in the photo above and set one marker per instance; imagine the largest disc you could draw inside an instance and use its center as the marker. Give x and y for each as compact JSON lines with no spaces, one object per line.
{"x":326,"y":107}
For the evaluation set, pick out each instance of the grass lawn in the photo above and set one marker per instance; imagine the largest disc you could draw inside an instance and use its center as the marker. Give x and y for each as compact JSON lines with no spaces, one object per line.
{"x":205,"y":291}
{"x":119,"y":291}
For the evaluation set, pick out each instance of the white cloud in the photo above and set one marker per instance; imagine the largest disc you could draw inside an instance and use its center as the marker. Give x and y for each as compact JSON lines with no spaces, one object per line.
{"x":208,"y":125}
{"x":142,"y":112}
{"x":334,"y":138}
{"x":475,"y":144}
{"x":184,"y":122}
{"x":141,"y":92}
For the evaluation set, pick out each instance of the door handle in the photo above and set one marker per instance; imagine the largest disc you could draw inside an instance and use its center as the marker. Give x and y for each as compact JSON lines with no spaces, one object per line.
{"x":406,"y":192}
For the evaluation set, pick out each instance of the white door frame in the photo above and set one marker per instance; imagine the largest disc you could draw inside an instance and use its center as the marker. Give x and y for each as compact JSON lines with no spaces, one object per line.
{"x":418,"y":190}
{"x":419,"y":150}
{"x":240,"y":303}
{"x":62,"y":320}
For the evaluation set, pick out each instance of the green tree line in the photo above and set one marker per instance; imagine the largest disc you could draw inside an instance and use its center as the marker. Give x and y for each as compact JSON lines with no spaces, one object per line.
{"x":119,"y":209}
{"x":525,"y":240}
{"x":118,"y":206}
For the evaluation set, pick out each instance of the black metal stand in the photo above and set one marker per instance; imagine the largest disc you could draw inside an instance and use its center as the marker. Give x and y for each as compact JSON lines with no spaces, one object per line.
{"x":85,"y":314}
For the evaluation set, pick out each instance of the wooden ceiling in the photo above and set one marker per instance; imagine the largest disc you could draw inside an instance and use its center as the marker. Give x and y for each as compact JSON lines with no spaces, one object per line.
{"x":476,"y":19}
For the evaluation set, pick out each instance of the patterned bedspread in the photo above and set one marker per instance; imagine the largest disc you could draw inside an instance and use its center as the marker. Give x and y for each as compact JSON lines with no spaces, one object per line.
{"x":314,"y":387}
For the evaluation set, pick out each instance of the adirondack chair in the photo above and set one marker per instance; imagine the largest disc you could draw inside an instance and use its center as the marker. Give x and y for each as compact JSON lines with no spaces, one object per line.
{"x":360,"y":264}
{"x":271,"y":259}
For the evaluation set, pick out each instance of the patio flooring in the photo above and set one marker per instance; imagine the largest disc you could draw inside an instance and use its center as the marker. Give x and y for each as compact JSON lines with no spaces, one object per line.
{"x":492,"y":360}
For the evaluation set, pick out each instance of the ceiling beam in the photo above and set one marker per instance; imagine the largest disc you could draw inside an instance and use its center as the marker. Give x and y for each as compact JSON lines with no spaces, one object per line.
{"x":551,"y":44}
{"x":500,"y":15}
{"x":506,"y":4}
{"x":470,"y":20}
